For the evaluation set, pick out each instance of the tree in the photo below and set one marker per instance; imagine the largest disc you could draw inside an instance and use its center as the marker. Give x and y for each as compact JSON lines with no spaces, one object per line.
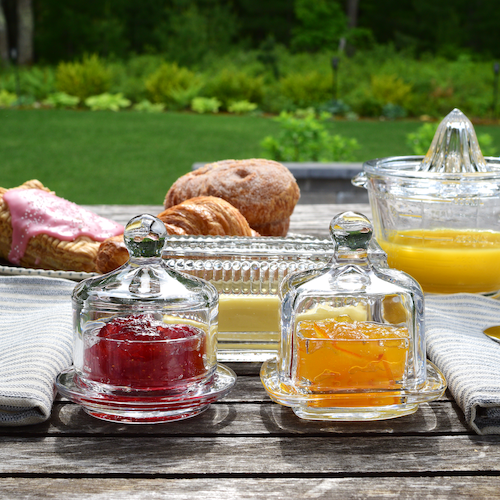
{"x":321,"y":24}
{"x":4,"y":41}
{"x":352,"y":13}
{"x":25,"y":32}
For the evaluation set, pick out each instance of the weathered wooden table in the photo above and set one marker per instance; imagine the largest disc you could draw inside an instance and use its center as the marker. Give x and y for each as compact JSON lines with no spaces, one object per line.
{"x":246,"y":446}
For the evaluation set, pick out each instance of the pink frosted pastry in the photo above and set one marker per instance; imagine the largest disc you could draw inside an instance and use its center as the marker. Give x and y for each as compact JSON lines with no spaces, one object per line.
{"x":40,"y":230}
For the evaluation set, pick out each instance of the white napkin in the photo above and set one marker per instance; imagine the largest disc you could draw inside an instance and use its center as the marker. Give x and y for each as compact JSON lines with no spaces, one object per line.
{"x":35,"y":345}
{"x":469,"y":360}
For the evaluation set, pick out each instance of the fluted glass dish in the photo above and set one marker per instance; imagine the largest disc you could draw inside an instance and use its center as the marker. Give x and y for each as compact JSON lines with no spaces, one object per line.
{"x":247,"y":273}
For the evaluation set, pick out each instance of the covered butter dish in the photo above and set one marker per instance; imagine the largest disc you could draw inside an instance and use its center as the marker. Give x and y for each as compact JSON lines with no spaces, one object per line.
{"x":352,"y":337}
{"x":145,"y":338}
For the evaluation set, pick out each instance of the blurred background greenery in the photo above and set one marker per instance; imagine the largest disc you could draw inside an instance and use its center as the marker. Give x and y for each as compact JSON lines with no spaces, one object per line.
{"x":203,"y":80}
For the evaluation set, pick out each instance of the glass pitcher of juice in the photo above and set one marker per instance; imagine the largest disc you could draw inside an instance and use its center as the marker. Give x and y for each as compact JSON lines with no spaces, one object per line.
{"x":438,"y":217}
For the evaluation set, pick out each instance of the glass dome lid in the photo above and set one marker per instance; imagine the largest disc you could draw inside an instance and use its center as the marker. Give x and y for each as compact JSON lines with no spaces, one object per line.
{"x":145,"y":280}
{"x":453,"y":153}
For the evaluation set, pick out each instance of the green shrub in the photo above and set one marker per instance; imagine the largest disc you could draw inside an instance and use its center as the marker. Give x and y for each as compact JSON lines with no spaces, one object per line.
{"x":149,"y":107}
{"x":182,"y":98}
{"x":61,"y":100}
{"x":37,"y":82}
{"x":309,"y":89}
{"x":231,"y":85}
{"x":204,"y":105}
{"x":390,"y":89}
{"x":7,"y":99}
{"x":129,"y":77}
{"x":83,"y":79}
{"x":393,"y":111}
{"x":107,"y":102}
{"x":242,"y":107}
{"x":305,"y":138}
{"x":420,"y":141}
{"x":362,"y":101}
{"x":168,"y":80}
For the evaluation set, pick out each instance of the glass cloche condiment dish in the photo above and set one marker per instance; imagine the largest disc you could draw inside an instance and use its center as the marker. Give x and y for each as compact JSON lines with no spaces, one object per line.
{"x":352,"y":337}
{"x":145,"y":338}
{"x":438,"y":217}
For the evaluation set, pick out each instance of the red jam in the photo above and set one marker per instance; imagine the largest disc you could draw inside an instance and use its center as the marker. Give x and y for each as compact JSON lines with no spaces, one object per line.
{"x":140,"y":352}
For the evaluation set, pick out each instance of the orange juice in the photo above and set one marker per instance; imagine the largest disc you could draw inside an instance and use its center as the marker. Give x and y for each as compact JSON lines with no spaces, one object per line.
{"x":447,"y":260}
{"x":351,"y":356}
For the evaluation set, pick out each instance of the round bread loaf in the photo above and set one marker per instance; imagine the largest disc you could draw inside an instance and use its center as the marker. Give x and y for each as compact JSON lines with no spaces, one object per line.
{"x":264,"y":191}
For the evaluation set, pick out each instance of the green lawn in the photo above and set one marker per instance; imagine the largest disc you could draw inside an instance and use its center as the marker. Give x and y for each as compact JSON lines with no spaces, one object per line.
{"x":133,"y":158}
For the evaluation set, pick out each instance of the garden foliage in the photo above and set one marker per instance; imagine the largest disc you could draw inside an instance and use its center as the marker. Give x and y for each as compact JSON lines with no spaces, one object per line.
{"x":84,"y":78}
{"x":376,"y":83}
{"x":304,"y":137}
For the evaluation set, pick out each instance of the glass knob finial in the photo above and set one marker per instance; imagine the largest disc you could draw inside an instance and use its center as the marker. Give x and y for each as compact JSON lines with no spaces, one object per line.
{"x":351,"y":232}
{"x":144,"y":236}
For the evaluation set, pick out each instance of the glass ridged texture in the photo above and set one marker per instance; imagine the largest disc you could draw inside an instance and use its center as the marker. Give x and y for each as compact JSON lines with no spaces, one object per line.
{"x":438,"y":217}
{"x":352,"y":337}
{"x":145,"y":337}
{"x":247,"y":273}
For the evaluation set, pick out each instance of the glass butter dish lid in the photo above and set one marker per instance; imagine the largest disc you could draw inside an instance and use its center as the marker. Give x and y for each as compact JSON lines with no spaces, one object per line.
{"x":352,"y":337}
{"x":145,"y":338}
{"x":247,"y":273}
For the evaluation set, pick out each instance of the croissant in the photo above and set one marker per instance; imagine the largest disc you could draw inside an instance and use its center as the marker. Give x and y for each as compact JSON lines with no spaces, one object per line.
{"x":41,"y":230}
{"x":203,"y":215}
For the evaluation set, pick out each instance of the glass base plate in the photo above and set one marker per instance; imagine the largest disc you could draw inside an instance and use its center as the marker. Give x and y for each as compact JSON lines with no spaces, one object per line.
{"x":351,"y":406}
{"x":148,"y":409}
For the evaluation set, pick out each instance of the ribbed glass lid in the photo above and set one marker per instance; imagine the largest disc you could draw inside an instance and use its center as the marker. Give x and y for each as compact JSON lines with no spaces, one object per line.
{"x":454,"y":153}
{"x":455,"y":148}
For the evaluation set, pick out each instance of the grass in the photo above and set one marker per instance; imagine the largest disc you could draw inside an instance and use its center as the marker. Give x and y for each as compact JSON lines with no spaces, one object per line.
{"x":133,"y":158}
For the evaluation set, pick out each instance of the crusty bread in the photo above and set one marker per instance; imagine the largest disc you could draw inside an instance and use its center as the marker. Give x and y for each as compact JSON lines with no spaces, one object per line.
{"x":264,"y":191}
{"x":204,"y":215}
{"x":44,"y":251}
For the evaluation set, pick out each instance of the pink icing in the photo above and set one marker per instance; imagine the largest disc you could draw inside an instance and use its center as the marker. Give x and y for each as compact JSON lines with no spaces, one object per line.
{"x":34,"y":212}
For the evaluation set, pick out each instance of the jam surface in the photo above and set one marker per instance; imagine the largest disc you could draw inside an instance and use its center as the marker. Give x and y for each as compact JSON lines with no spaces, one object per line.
{"x":142,"y":353}
{"x":351,"y":355}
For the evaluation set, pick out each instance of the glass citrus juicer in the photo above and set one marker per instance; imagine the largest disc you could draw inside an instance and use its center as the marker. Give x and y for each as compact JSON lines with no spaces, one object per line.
{"x":438,"y":217}
{"x":352,"y":337}
{"x":145,"y":338}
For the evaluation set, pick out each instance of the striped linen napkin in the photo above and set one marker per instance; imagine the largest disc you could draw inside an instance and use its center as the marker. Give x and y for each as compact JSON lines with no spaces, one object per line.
{"x":36,"y":342}
{"x":469,"y":360}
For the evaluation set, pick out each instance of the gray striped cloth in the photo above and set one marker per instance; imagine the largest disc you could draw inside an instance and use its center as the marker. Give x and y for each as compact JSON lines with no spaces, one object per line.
{"x":469,"y":360}
{"x":36,"y":343}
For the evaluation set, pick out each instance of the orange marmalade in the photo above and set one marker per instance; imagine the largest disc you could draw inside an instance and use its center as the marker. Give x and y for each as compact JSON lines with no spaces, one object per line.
{"x":358,"y":356}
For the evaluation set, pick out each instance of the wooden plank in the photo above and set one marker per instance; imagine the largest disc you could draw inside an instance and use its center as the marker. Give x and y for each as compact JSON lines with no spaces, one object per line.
{"x":249,"y":389}
{"x":249,"y":420}
{"x":270,"y":456}
{"x":123,"y":213}
{"x":323,"y":488}
{"x":315,"y":220}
